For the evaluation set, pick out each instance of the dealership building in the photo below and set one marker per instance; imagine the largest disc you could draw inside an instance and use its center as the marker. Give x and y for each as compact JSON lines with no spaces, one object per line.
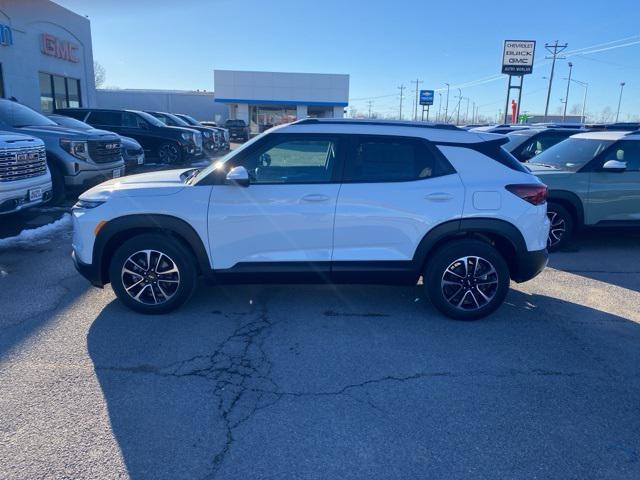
{"x":46,"y":59}
{"x":46,"y":62}
{"x":265,"y":99}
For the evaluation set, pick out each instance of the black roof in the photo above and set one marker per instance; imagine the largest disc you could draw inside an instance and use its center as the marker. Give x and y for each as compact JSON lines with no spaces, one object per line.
{"x":387,"y":123}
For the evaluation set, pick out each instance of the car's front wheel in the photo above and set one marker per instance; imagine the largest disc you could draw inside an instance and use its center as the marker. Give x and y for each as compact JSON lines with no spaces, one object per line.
{"x":466,"y":279}
{"x":169,"y":153}
{"x":152,"y":273}
{"x":561,"y":229}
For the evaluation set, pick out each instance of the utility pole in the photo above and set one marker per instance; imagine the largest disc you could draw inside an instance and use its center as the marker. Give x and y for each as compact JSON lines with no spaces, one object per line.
{"x":554,"y":50}
{"x":439,"y":107}
{"x":401,"y":88}
{"x":466,"y":115}
{"x":619,"y":100}
{"x":459,"y":102}
{"x":370,"y":102}
{"x":566,"y":97}
{"x":473,"y":113}
{"x":446,"y":108}
{"x":417,"y":81}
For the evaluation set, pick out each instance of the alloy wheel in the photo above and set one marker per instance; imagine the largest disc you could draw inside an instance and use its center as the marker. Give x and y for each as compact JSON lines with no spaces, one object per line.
{"x":557,"y":229}
{"x":168,"y":154}
{"x":469,"y":283}
{"x":150,"y":277}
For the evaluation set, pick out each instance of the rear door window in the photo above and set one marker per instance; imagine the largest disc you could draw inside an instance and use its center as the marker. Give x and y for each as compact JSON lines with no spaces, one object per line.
{"x":393,"y":159}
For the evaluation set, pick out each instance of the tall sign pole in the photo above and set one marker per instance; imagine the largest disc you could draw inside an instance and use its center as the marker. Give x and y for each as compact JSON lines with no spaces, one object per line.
{"x":517,"y":61}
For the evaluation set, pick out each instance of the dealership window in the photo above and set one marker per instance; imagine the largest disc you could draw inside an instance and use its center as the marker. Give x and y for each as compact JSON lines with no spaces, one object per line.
{"x":58,"y":92}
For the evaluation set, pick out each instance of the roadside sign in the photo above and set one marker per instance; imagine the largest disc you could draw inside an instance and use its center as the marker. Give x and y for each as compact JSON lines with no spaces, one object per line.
{"x":426,"y":97}
{"x":517,"y":57}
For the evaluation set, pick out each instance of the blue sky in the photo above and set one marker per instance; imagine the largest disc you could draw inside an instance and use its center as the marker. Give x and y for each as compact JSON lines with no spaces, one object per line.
{"x":381,"y":44}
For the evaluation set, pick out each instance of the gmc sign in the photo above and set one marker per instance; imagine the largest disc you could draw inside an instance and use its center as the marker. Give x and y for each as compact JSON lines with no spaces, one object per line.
{"x":56,"y":47}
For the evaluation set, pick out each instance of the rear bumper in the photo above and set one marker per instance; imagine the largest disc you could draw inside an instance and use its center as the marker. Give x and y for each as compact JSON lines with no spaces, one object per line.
{"x":530,"y":264}
{"x":88,"y":271}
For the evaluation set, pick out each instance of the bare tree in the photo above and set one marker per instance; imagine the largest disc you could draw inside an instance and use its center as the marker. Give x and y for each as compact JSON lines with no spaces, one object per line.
{"x":99,"y":73}
{"x":575,"y":109}
{"x":607,"y":114}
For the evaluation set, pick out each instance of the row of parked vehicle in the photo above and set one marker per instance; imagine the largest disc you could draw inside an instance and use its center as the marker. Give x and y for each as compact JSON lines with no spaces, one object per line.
{"x":43,"y":158}
{"x":592,"y":172}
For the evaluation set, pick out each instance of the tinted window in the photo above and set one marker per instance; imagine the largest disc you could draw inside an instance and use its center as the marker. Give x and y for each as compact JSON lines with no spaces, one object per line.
{"x":17,"y":115}
{"x":288,"y":160}
{"x":627,"y":151}
{"x":113,"y":119}
{"x":131,"y":120}
{"x":391,"y":159}
{"x":189,"y":120}
{"x":150,"y":119}
{"x":573,"y":153}
{"x":539,"y":144}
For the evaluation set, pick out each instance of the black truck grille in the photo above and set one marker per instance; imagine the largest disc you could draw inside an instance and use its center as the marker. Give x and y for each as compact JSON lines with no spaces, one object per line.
{"x":105,"y":151}
{"x":20,"y":163}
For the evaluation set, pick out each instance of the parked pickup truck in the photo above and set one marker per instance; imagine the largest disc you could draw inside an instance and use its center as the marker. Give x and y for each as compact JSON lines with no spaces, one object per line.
{"x":238,"y":129}
{"x":24,"y":177}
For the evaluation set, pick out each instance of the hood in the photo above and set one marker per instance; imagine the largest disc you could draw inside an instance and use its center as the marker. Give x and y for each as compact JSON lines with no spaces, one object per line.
{"x":166,"y":182}
{"x":129,"y":142}
{"x":66,"y":132}
{"x":11,"y":137}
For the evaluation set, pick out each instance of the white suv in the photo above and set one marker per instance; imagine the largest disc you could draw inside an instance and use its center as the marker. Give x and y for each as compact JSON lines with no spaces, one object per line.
{"x":334,"y":200}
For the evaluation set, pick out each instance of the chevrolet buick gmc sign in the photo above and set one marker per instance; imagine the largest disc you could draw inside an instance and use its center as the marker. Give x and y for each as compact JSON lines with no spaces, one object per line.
{"x":426,"y":97}
{"x":517,"y":57}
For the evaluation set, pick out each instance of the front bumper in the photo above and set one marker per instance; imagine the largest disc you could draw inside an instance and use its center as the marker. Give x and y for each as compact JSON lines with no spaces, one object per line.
{"x":530,"y":264}
{"x":14,"y":196}
{"x":95,"y":175}
{"x":88,"y":271}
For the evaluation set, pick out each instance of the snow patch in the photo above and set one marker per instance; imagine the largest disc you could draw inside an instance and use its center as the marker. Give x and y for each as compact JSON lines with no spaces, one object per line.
{"x":37,"y":236}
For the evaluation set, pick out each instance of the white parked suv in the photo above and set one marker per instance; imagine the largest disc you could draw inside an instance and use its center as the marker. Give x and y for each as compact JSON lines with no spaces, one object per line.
{"x":25,"y":180}
{"x":318,"y":200}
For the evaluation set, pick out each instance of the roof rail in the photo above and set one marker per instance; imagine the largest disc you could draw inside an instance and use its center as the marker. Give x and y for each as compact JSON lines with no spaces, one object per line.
{"x":385,"y":123}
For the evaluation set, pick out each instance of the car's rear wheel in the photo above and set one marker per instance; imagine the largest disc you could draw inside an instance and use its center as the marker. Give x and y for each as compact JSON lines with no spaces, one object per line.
{"x":169,"y":153}
{"x":152,"y":273}
{"x":561,"y":229}
{"x":466,"y":279}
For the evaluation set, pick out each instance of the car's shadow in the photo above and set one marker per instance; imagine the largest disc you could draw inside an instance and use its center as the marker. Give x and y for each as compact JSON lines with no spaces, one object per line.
{"x":183,"y":390}
{"x":611,"y":256}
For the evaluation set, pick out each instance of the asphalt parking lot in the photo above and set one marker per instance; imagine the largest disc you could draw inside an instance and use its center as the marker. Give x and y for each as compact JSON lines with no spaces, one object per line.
{"x":314,"y":382}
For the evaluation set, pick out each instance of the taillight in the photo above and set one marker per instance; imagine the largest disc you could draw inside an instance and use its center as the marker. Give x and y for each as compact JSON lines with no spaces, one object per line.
{"x":535,"y":194}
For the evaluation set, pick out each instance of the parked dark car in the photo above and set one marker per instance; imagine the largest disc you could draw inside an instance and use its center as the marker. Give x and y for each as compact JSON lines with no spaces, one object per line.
{"x":210,"y":142}
{"x":76,"y":158}
{"x":222,"y":133}
{"x":166,"y":144}
{"x":238,"y":129}
{"x":131,"y":151}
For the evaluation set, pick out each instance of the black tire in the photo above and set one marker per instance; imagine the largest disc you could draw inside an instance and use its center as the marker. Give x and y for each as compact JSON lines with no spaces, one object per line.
{"x":169,"y":153}
{"x":466,"y":302}
{"x":174,"y":252}
{"x":59,"y":190}
{"x":562,"y":225}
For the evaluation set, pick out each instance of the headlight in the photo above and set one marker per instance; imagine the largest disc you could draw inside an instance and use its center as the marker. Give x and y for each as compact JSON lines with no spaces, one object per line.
{"x":187,"y":136}
{"x":87,"y":204}
{"x":78,"y":149}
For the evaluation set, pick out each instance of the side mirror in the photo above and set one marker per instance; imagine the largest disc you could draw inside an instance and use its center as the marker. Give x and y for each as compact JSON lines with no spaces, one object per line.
{"x":614,"y":166}
{"x":238,"y":176}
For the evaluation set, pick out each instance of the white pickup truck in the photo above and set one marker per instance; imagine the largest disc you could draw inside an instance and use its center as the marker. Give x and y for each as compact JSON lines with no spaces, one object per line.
{"x":25,"y":180}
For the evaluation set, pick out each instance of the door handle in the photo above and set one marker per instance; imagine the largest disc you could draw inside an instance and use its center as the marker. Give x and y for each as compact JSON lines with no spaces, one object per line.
{"x":315,"y":197}
{"x":439,"y":197}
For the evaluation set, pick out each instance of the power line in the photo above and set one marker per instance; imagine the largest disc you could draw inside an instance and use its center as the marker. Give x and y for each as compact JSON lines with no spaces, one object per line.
{"x":554,"y":50}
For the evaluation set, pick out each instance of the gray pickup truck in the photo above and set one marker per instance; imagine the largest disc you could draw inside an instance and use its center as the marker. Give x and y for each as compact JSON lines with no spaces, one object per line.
{"x":77,"y":159}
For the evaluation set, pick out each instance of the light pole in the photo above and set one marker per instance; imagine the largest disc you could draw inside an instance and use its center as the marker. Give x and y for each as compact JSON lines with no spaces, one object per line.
{"x":566,"y":97}
{"x":446,"y":107}
{"x":439,"y":107}
{"x":584,"y":85}
{"x":619,"y":100}
{"x":459,"y":102}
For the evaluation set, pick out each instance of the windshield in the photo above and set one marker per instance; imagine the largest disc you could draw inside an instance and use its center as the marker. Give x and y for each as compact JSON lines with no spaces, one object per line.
{"x":189,"y":120}
{"x":17,"y":115}
{"x":235,"y":123}
{"x":219,"y":163}
{"x":151,"y":119}
{"x":178,"y":121}
{"x":572,"y":154}
{"x":70,"y":122}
